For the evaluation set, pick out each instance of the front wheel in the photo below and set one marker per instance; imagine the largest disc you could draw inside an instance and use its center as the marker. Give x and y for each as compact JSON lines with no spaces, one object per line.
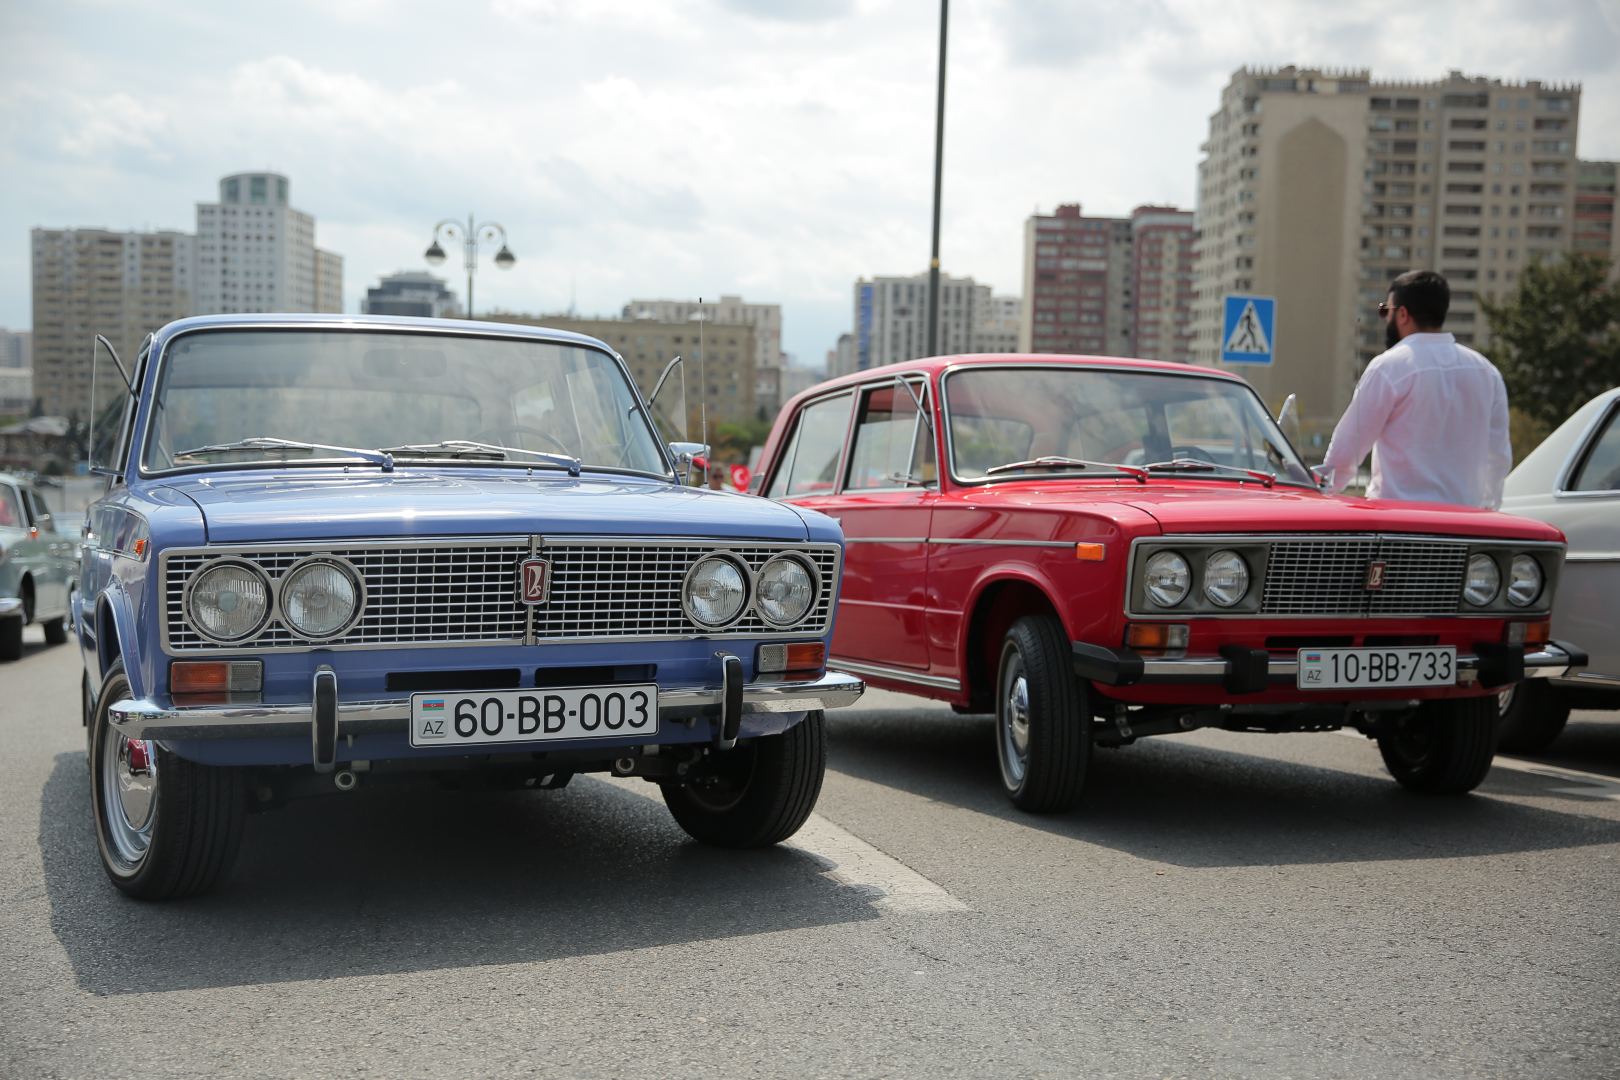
{"x":166,"y":827}
{"x":1043,"y":718}
{"x":1442,"y":747}
{"x":757,"y":793}
{"x":1531,"y":715}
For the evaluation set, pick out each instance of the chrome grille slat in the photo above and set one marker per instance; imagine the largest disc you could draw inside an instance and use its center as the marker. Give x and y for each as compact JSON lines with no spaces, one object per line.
{"x":466,"y":593}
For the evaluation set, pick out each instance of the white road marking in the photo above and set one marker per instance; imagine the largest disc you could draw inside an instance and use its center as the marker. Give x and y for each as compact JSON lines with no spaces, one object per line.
{"x":1594,"y":785}
{"x":892,"y":886}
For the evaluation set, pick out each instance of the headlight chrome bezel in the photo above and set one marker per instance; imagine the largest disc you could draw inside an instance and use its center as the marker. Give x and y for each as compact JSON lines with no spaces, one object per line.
{"x":1538,"y":577}
{"x":1243,"y":576}
{"x":1158,"y":560}
{"x":343,"y":566}
{"x":743,"y":573}
{"x":212,"y":566}
{"x":1469,"y":593}
{"x":760,"y":581}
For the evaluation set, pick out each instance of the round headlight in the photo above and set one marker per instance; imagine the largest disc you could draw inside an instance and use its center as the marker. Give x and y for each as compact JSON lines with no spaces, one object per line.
{"x":1168,"y":579}
{"x":320,"y":599}
{"x":784,"y":591}
{"x":1524,"y":581}
{"x":229,"y":601}
{"x":715,"y":591}
{"x":1226,"y":578}
{"x":1484,"y":579}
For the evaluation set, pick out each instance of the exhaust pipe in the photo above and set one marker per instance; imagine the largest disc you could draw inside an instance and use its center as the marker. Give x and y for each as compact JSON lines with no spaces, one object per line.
{"x":625,"y":766}
{"x":345,"y":780}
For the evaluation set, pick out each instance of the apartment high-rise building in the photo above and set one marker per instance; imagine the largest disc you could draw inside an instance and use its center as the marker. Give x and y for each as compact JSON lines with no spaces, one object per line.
{"x":256,"y":253}
{"x":122,"y":285}
{"x":766,"y":319}
{"x":1320,"y":187}
{"x":841,"y":357}
{"x":411,"y":292}
{"x":1593,"y":229}
{"x":996,"y":328}
{"x":16,"y":349}
{"x":891,"y":319}
{"x":1162,"y":239}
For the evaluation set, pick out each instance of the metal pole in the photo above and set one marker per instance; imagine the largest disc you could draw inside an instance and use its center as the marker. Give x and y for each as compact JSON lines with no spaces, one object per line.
{"x":470,"y":250}
{"x":939,"y":160}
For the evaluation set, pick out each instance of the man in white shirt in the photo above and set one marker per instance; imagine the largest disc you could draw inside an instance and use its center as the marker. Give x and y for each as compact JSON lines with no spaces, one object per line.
{"x":1434,"y":413}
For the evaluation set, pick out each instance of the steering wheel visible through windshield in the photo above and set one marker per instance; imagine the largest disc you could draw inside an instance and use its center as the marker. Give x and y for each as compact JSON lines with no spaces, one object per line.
{"x":232,"y":396}
{"x":1023,"y":422}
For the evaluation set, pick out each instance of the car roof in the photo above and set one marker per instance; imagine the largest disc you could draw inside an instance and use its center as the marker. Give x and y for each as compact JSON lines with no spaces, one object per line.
{"x":933,"y":365}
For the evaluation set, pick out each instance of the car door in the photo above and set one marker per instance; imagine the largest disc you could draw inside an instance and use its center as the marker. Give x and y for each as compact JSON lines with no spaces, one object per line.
{"x":1587,"y":508}
{"x":51,"y":585}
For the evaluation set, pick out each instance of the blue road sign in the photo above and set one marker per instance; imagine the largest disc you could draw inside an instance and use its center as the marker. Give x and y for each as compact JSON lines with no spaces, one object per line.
{"x":1248,"y":330}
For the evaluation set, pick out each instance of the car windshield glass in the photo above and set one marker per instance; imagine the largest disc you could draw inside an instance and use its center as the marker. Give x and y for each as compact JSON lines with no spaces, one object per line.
{"x":240,"y":396}
{"x":998,"y":416}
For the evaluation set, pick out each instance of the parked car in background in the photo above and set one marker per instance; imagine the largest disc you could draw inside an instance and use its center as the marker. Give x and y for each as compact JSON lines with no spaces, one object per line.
{"x":1097,"y":550}
{"x":38,"y":562}
{"x":335,"y":550}
{"x":1572,"y":480}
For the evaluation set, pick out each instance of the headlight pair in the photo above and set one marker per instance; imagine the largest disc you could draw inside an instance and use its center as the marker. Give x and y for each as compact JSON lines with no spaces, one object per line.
{"x":231,"y":600}
{"x":717,"y":588}
{"x":1484,"y":581}
{"x":1169,"y":578}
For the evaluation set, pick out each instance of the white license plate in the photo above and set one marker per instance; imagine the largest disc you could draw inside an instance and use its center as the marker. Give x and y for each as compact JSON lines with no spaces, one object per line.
{"x":548,"y":714}
{"x":1335,"y":669}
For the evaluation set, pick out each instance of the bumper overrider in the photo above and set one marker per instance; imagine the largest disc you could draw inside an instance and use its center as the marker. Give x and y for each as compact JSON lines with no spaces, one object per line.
{"x":326,"y":717}
{"x":1240,"y":669}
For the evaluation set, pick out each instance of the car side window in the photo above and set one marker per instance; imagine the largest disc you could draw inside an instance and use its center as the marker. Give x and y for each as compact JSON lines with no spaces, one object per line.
{"x":37,"y":509}
{"x":1599,"y":468}
{"x":810,"y":464}
{"x":891,"y":448}
{"x":11,"y":513}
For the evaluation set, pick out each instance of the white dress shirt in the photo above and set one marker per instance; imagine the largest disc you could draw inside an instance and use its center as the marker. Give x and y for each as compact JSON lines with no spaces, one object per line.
{"x":1435,"y":416}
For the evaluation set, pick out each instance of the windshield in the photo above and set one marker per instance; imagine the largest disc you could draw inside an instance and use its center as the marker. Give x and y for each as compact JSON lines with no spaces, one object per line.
{"x":248,"y":396}
{"x":1095,"y":417}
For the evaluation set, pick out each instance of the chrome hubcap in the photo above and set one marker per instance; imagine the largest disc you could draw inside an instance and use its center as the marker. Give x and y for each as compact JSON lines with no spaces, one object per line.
{"x":129,"y":786}
{"x":1504,"y":700}
{"x":1015,"y":726}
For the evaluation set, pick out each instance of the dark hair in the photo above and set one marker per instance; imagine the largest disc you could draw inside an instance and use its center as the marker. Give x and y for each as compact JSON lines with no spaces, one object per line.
{"x":1425,"y":295}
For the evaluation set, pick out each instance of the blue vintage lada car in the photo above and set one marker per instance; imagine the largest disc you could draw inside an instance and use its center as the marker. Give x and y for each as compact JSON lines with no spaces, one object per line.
{"x":335,"y":549}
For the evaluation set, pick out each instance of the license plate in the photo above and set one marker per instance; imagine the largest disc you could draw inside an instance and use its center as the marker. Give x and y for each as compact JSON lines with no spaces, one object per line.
{"x":1335,"y":669}
{"x":545,"y":715}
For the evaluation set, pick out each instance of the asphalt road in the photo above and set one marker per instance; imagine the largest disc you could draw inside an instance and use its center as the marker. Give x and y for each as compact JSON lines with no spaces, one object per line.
{"x":1222,"y":905}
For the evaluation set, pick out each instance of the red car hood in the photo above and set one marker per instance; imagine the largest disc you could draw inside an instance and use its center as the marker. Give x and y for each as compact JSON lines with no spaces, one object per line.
{"x":1189,"y":508}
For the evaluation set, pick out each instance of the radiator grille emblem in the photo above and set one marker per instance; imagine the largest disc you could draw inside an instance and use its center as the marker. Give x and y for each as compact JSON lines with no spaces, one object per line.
{"x":1375,"y":576}
{"x":534,"y":578}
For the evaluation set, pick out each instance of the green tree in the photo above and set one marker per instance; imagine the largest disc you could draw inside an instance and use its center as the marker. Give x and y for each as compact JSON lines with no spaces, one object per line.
{"x":1557,"y":339}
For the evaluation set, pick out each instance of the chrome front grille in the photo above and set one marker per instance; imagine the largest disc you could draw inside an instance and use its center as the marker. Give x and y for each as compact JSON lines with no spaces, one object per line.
{"x":466,"y":591}
{"x":1329,"y":576}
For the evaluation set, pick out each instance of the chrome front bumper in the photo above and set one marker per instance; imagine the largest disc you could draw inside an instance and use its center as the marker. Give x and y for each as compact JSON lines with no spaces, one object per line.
{"x":1241,"y":670}
{"x":11,"y":606}
{"x":147,"y":720}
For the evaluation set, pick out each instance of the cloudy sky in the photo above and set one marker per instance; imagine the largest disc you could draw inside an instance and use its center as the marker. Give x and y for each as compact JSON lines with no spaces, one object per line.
{"x":672,"y":148}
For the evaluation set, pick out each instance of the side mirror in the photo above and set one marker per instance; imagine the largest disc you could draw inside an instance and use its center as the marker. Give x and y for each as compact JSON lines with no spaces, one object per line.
{"x":1320,"y":475}
{"x":686,"y":454}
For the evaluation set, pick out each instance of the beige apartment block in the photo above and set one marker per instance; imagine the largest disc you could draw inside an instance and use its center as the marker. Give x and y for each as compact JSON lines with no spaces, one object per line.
{"x":1319,"y":187}
{"x":123,"y":285}
{"x":724,"y":359}
{"x":1594,"y":226}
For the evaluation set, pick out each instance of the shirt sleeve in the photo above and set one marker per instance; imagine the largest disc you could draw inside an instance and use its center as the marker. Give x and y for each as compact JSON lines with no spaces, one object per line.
{"x":1359,"y":427}
{"x":1500,"y":451}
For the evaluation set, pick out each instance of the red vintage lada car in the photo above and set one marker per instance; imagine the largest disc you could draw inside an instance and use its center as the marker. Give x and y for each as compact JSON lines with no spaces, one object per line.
{"x":1101,"y":549}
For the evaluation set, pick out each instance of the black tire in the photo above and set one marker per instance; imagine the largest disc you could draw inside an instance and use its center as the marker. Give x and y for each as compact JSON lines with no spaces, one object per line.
{"x":1043,"y":718}
{"x":1442,"y":747}
{"x":11,"y":639}
{"x":1530,"y":715}
{"x":757,"y":793}
{"x":56,"y":632}
{"x":191,"y":826}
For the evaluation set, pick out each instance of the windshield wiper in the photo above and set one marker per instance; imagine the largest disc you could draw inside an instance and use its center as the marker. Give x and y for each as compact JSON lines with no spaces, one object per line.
{"x":1196,"y":465}
{"x":1055,"y":461}
{"x":267,"y":442}
{"x":468,"y":448}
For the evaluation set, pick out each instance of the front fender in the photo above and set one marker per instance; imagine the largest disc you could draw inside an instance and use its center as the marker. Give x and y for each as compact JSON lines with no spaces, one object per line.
{"x":116,"y":607}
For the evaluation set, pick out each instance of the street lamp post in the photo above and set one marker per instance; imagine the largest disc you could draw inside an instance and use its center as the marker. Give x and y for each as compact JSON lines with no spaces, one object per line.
{"x":452,"y":230}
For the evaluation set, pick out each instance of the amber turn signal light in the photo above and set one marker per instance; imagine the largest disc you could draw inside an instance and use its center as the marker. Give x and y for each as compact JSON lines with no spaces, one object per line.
{"x":800,"y":656}
{"x":1532,"y":635}
{"x":1090,"y":552}
{"x":216,"y":676}
{"x":1156,"y":636}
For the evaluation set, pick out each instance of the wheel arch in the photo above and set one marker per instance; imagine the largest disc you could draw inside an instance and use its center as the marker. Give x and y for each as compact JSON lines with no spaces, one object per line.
{"x":116,"y":637}
{"x":998,"y":603}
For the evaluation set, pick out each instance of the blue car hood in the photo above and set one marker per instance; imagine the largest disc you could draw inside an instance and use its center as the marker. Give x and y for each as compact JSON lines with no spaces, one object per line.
{"x":252,"y":507}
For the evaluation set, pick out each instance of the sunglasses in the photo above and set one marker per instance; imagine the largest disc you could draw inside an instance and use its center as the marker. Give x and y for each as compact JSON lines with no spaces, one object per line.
{"x":1384,"y":309}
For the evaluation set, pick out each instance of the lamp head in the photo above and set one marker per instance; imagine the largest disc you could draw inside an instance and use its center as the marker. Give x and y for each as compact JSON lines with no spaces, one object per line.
{"x":434,"y":254}
{"x":504,"y":258}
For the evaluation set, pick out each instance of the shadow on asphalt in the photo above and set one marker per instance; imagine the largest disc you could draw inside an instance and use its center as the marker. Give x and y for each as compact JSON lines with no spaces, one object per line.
{"x":1591,"y":742}
{"x":1193,"y":806}
{"x":390,"y":881}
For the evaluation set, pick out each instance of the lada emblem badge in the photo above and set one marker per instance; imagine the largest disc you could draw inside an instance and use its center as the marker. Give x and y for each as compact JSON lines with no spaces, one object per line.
{"x":1375,"y":576}
{"x":534,"y":580}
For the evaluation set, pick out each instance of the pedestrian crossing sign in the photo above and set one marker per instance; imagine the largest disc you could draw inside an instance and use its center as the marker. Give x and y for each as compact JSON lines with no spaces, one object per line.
{"x":1248,"y":330}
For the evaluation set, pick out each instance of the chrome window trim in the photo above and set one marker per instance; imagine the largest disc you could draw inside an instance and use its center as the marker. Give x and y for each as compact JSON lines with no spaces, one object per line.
{"x":1577,"y":456}
{"x":533,"y":335}
{"x":793,"y":445}
{"x":1213,"y":376}
{"x":535,"y":542}
{"x":1215,"y":539}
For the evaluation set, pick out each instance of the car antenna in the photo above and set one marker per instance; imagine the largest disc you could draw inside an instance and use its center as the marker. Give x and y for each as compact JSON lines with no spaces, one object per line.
{"x":703,"y":392}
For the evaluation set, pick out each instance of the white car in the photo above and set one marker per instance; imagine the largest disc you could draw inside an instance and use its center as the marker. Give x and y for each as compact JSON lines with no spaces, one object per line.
{"x":1572,"y":480}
